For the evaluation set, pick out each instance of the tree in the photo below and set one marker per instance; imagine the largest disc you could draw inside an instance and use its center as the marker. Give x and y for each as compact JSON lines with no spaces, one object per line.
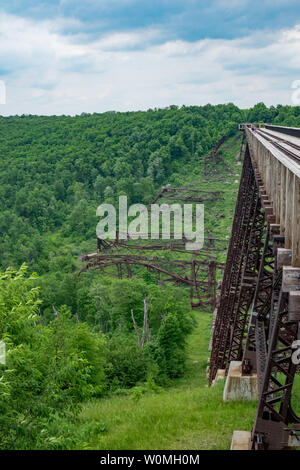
{"x":49,"y":370}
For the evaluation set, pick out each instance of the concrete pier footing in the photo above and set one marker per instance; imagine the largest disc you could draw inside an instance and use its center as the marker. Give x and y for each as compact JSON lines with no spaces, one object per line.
{"x":220,"y":375}
{"x":241,"y":440}
{"x":238,"y":386}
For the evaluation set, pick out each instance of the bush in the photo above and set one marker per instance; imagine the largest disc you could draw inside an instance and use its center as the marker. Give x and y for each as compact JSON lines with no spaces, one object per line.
{"x":49,"y":370}
{"x":127,"y":363}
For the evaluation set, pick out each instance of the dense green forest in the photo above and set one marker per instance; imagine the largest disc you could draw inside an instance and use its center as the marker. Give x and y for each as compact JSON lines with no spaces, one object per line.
{"x":71,"y":338}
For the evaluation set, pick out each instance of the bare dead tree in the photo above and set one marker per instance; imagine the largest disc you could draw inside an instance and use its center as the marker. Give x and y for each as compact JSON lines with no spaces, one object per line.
{"x":55,"y":313}
{"x":146,"y":329}
{"x":146,"y":333}
{"x":136,"y":329}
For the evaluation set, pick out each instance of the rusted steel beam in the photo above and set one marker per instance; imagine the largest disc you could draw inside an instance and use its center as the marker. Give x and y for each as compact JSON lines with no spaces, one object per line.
{"x":275,"y":418}
{"x":199,"y":275}
{"x":232,"y":276}
{"x":187,"y":194}
{"x":262,"y":303}
{"x":212,"y":155}
{"x":251,"y":263}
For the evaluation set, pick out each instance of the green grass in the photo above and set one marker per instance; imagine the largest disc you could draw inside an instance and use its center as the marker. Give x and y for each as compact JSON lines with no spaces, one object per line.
{"x":296,"y":395}
{"x":187,"y":415}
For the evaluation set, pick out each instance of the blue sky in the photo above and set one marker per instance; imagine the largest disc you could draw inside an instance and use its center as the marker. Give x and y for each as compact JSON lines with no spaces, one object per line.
{"x":71,"y":56}
{"x":190,"y":20}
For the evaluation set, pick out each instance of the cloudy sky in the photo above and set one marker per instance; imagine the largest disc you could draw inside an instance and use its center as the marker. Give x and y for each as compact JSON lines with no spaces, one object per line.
{"x":73,"y":56}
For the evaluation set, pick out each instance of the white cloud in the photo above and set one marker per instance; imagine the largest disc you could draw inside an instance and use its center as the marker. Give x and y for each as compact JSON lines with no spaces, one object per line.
{"x":52,"y":73}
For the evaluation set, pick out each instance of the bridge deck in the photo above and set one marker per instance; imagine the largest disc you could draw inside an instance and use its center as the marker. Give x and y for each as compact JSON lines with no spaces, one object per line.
{"x":276,"y":156}
{"x":270,"y":141}
{"x":290,"y":138}
{"x":289,"y":142}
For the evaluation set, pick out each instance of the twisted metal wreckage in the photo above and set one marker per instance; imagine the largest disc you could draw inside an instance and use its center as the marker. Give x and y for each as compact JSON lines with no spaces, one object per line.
{"x":198,"y":272}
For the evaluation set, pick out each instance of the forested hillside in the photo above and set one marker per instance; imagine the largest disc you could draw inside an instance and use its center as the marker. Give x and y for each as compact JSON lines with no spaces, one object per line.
{"x":71,"y":338}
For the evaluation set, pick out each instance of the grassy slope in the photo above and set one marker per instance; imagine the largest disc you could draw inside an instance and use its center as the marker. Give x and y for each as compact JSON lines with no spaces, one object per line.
{"x":187,"y":415}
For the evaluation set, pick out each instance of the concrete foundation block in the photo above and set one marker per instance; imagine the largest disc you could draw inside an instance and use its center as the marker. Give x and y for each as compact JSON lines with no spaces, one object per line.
{"x":241,"y":440}
{"x":219,"y":375}
{"x":238,"y":386}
